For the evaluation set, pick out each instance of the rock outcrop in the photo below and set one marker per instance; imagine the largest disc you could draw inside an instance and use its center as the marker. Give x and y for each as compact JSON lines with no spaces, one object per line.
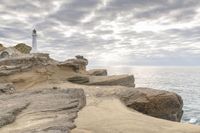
{"x":156,"y":103}
{"x":32,"y":109}
{"x":98,"y":72}
{"x":78,"y":64}
{"x":122,"y":80}
{"x":109,"y":115}
{"x":23,"y":48}
{"x":16,"y":64}
{"x":44,"y":111}
{"x":9,"y":52}
{"x":79,"y":79}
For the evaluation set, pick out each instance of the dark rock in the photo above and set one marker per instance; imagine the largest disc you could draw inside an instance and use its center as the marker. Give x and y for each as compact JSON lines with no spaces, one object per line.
{"x":78,"y":79}
{"x":156,"y":103}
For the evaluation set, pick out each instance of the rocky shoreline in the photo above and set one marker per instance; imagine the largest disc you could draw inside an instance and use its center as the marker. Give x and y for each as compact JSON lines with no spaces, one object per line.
{"x":39,"y":94}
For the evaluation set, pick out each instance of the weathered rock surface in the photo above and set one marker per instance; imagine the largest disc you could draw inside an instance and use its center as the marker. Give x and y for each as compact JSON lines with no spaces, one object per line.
{"x":9,"y":52}
{"x":109,"y":115}
{"x":156,"y":103}
{"x":10,"y":66}
{"x":78,"y":79}
{"x":98,"y":72}
{"x":7,"y":88}
{"x":78,"y":64}
{"x":43,"y":111}
{"x":123,"y":80}
{"x":159,"y":104}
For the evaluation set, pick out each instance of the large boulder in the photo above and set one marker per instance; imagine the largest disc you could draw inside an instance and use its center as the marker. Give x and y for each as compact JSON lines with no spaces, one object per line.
{"x":156,"y":103}
{"x":122,"y":80}
{"x":98,"y":72}
{"x":44,"y":111}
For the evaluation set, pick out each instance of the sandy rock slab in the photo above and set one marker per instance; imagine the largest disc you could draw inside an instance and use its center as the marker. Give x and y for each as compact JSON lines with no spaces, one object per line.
{"x":43,"y":111}
{"x":122,"y":80}
{"x":109,"y":115}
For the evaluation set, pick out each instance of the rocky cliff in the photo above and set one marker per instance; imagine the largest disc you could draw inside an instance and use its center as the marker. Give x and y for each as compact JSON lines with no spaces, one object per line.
{"x":40,"y":94}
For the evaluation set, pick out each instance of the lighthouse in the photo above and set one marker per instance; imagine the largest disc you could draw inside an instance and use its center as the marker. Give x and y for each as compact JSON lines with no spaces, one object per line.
{"x":34,"y":41}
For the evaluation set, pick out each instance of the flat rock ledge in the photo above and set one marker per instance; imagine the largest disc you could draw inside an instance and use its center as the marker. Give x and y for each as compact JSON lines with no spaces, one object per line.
{"x":46,"y":111}
{"x":122,"y":80}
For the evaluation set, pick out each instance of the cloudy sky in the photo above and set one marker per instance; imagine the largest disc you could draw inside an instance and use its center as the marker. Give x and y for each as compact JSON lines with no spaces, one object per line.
{"x":107,"y":32}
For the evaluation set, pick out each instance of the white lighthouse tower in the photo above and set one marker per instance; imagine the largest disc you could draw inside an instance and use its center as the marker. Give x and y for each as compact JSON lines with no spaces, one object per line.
{"x":34,"y":41}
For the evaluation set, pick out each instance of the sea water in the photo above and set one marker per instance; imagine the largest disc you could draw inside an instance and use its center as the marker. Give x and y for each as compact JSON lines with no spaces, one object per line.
{"x":185,"y":81}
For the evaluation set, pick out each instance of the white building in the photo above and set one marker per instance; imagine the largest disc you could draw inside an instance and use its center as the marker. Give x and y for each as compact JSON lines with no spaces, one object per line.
{"x":34,"y":41}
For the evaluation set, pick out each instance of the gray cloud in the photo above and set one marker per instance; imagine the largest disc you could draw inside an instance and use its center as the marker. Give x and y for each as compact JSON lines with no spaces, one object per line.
{"x":108,"y":32}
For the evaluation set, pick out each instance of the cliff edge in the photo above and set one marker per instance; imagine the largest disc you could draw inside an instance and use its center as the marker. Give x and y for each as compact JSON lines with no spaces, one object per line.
{"x":40,"y":94}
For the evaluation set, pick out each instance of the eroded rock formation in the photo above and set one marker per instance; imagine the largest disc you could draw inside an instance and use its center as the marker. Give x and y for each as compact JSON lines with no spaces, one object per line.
{"x":156,"y":103}
{"x":98,"y":72}
{"x":54,"y":110}
{"x":48,"y":110}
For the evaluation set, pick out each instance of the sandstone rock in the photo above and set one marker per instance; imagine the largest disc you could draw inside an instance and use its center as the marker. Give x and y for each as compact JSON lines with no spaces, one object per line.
{"x":78,"y":79}
{"x":71,"y":64}
{"x":7,"y":88}
{"x":123,"y":80}
{"x":45,"y":111}
{"x":98,"y":72}
{"x":156,"y":103}
{"x":79,"y":63}
{"x":13,"y":65}
{"x":10,"y":111}
{"x":23,"y":48}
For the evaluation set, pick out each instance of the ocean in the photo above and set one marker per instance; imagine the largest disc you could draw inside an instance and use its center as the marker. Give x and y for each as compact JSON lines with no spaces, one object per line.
{"x":185,"y":81}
